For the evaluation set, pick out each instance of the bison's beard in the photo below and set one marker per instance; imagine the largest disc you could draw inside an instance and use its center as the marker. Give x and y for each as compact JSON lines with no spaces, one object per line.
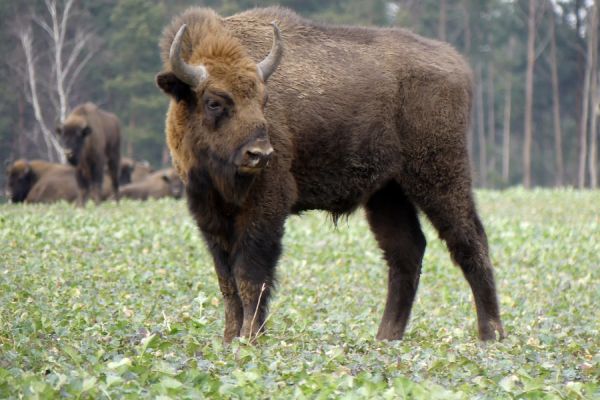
{"x":214,"y":174}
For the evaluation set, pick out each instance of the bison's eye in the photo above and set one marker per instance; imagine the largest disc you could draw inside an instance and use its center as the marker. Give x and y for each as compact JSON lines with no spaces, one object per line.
{"x":216,"y":109}
{"x":214,"y":106}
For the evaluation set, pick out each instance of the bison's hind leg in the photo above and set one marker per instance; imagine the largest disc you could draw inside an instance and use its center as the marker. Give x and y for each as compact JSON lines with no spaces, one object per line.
{"x":444,"y":194}
{"x":395,"y":223}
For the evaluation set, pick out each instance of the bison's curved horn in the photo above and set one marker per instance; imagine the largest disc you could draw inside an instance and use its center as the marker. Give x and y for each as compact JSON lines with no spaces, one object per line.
{"x":193,"y":75}
{"x":267,"y":66}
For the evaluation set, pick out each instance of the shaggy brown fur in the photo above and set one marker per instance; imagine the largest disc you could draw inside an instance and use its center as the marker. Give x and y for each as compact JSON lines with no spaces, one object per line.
{"x":162,"y":183}
{"x":356,"y":116}
{"x":92,"y":140}
{"x":39,"y":181}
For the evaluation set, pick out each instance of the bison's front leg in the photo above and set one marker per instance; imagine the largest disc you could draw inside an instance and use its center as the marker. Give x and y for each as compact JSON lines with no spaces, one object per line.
{"x":254,"y":270}
{"x":232,"y":302}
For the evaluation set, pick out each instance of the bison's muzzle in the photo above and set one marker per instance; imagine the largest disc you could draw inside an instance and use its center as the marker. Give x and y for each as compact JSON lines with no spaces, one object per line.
{"x":254,"y":156}
{"x":71,"y":157}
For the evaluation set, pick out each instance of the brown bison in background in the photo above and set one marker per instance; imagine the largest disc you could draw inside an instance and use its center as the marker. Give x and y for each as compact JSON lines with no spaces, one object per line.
{"x":91,"y":139}
{"x":39,"y":181}
{"x":355,"y":117}
{"x":159,"y":184}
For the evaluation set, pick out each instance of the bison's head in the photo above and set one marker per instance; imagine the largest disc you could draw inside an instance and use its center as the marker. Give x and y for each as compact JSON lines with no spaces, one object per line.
{"x":217,"y":110}
{"x":125,"y":170}
{"x":72,"y":135}
{"x":20,"y":179}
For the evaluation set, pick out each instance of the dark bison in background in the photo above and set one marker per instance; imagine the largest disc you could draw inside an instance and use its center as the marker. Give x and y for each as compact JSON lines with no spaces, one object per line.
{"x":39,"y":181}
{"x":133,"y":171}
{"x":332,"y":118}
{"x":130,"y":171}
{"x":91,"y":139}
{"x":159,"y":184}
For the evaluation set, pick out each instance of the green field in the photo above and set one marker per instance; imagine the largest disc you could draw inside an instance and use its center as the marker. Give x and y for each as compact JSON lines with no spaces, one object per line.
{"x":121,"y":301}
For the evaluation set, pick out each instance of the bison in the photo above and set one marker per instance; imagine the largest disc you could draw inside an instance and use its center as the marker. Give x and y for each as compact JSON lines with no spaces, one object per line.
{"x":159,"y":184}
{"x":39,"y":181}
{"x":272,"y":114}
{"x":92,"y":140}
{"x":130,"y":171}
{"x":133,"y":171}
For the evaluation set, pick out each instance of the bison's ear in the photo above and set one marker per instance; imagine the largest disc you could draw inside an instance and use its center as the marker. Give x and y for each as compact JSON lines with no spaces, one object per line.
{"x":174,"y":87}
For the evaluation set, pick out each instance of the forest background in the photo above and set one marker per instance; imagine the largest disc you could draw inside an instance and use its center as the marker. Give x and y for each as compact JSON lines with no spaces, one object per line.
{"x":534,"y":62}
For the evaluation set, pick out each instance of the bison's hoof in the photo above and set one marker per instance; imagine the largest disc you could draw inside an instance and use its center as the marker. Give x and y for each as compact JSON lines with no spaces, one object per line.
{"x":493,"y":330}
{"x":389,"y":332}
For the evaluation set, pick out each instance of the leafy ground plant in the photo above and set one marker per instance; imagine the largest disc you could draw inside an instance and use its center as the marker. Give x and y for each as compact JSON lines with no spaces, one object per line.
{"x":121,"y":301}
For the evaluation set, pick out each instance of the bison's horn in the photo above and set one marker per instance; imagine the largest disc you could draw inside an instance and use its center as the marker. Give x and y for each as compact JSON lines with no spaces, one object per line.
{"x":267,"y":66}
{"x":193,"y":75}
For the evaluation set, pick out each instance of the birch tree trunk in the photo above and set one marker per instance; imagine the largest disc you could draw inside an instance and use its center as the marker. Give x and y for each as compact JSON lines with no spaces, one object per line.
{"x":529,"y":96}
{"x":53,"y":148}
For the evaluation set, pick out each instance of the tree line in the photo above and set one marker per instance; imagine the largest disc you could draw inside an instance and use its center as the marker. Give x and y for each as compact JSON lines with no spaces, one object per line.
{"x":534,"y":62}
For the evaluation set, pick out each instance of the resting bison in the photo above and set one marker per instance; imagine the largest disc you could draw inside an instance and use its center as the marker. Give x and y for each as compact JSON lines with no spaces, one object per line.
{"x":159,"y":184}
{"x":130,"y":171}
{"x":92,"y":140}
{"x":41,"y":182}
{"x":133,"y":171}
{"x":355,"y":117}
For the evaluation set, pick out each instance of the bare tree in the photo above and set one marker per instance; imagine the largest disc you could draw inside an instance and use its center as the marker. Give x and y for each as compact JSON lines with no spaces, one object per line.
{"x":529,"y":95}
{"x":587,"y":84}
{"x":64,"y":50}
{"x":481,"y":127}
{"x":491,"y":115}
{"x":68,"y":57}
{"x":558,"y":150}
{"x":53,"y":148}
{"x":442,"y":21}
{"x":594,"y":100}
{"x":507,"y":112}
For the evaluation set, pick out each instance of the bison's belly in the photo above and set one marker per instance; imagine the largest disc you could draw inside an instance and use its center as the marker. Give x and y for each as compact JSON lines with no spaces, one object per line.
{"x":336,"y":191}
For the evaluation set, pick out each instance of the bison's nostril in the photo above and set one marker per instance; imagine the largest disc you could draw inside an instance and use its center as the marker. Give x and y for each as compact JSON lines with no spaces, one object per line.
{"x":256,"y":154}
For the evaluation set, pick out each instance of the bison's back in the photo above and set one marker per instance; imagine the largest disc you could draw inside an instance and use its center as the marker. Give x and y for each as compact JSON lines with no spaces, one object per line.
{"x":59,"y":183}
{"x":357,"y":102}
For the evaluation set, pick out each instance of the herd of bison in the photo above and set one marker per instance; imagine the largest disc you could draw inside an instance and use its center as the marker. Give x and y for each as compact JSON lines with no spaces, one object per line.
{"x":91,"y":141}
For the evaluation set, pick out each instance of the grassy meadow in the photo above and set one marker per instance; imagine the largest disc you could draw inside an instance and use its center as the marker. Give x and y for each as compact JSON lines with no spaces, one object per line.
{"x":121,"y":302}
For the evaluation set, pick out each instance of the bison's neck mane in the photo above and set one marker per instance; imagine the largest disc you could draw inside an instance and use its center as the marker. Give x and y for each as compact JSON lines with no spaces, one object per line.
{"x":217,"y":183}
{"x":215,"y":196}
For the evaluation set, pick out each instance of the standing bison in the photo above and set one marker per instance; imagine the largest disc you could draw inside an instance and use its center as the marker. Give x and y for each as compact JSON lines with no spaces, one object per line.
{"x":355,"y":117}
{"x":92,"y":140}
